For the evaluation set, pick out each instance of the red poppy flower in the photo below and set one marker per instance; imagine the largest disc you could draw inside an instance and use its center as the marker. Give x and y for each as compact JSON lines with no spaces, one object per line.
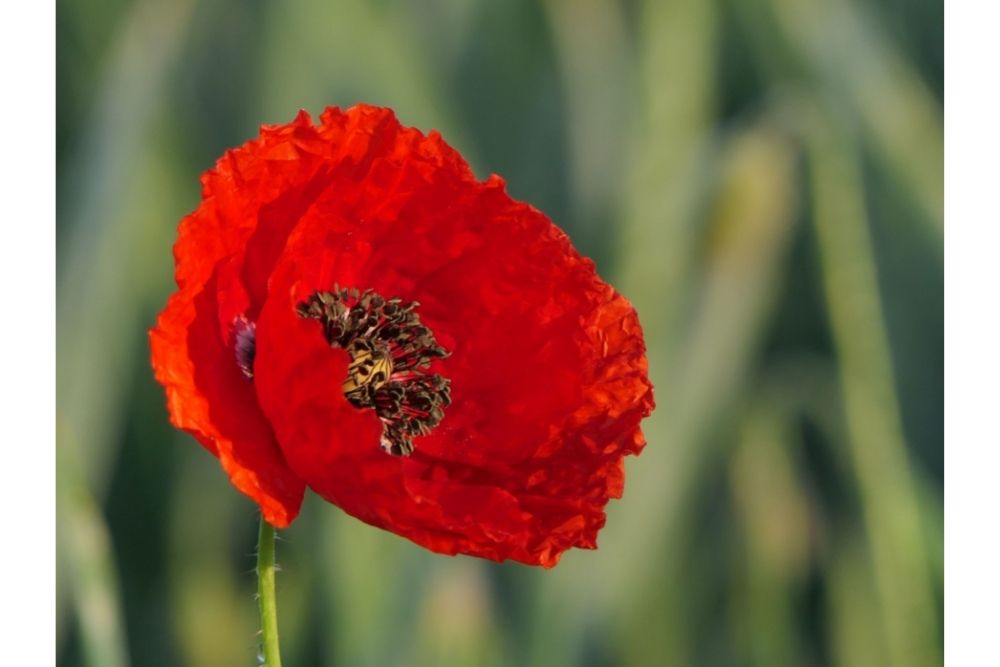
{"x":356,"y":313}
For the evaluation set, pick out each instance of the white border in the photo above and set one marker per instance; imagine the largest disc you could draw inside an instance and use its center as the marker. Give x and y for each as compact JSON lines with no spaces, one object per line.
{"x":27,"y":332}
{"x":972,"y":332}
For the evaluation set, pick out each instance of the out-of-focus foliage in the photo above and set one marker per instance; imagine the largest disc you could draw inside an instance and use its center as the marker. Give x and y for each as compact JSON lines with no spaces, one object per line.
{"x":763,"y":178}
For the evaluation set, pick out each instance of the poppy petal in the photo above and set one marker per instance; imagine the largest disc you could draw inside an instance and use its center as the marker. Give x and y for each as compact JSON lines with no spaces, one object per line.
{"x":547,"y":365}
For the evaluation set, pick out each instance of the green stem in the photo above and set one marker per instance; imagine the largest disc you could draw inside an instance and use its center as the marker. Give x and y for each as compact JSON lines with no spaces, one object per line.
{"x":266,"y":596}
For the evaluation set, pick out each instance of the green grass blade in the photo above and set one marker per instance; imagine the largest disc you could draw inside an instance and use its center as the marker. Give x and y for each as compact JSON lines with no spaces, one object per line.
{"x":874,"y":429}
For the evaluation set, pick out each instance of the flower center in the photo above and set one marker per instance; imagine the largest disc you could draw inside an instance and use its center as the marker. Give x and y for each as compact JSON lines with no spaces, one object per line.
{"x":369,"y":371}
{"x":390,"y":354}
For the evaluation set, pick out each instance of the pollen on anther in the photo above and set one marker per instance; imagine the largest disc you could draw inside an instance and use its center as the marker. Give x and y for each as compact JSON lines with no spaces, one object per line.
{"x":390,"y":354}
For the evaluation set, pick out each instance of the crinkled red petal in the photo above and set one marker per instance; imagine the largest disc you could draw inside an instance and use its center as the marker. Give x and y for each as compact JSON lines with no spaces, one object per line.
{"x":548,"y":365}
{"x":192,"y":352}
{"x":208,"y":396}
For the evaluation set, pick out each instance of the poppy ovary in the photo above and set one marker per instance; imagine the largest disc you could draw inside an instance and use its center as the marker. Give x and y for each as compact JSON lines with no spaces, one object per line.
{"x":391,"y":351}
{"x":369,"y":370}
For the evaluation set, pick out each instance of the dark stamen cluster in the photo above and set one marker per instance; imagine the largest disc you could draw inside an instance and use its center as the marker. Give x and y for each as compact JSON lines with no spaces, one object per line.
{"x":390,"y":352}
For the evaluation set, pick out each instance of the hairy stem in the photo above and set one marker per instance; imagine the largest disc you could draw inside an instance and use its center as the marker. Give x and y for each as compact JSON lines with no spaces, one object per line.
{"x":266,"y":596}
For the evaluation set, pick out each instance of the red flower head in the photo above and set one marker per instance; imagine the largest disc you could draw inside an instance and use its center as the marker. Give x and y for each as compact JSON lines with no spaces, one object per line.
{"x":356,"y":313}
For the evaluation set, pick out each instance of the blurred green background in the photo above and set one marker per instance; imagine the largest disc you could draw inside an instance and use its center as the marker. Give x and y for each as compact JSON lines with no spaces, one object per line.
{"x":762,"y":178}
